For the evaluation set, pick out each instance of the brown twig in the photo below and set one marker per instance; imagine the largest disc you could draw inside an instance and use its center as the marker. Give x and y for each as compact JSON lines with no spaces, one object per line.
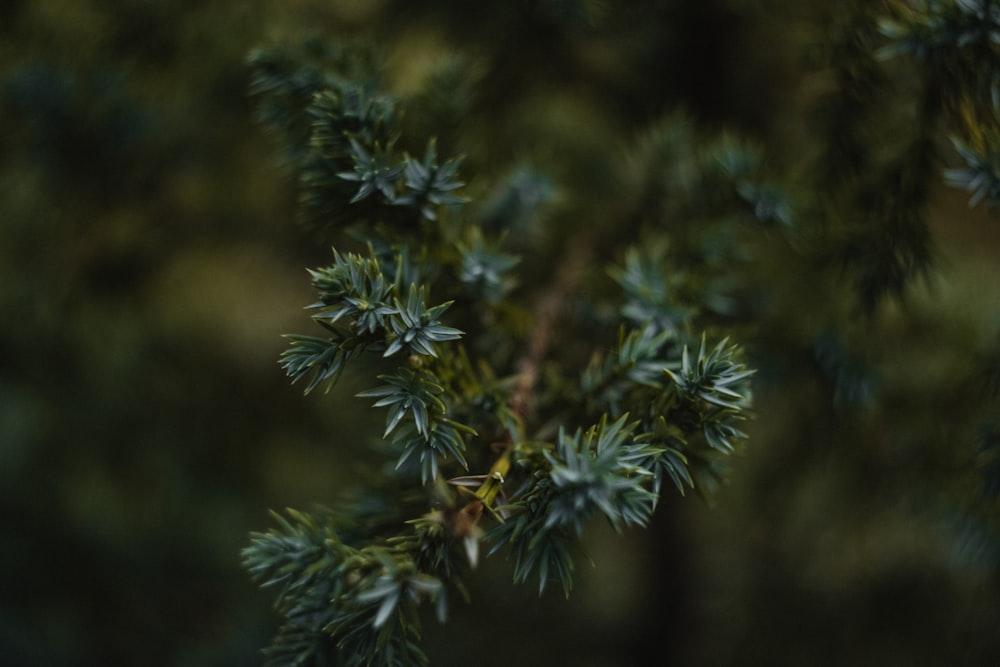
{"x":548,"y":310}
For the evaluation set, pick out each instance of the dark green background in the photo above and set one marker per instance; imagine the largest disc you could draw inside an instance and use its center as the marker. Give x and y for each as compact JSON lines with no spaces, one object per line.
{"x":149,"y":261}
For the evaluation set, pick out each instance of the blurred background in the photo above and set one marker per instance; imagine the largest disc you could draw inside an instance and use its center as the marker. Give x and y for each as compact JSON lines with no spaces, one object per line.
{"x":150,"y":260}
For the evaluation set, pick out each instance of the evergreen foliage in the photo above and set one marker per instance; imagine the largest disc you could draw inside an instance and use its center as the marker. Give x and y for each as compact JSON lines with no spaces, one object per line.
{"x":546,"y":454}
{"x":515,"y":439}
{"x":550,"y":449}
{"x":562,"y":233}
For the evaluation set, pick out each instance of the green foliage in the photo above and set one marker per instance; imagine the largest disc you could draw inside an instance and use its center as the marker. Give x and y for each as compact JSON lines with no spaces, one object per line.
{"x":659,"y":414}
{"x":417,"y":327}
{"x":710,"y":384}
{"x":485,"y":268}
{"x":429,"y":185}
{"x":589,"y":473}
{"x":514,"y":417}
{"x":882,"y":154}
{"x":982,"y":175}
{"x":957,"y":46}
{"x":362,"y":600}
{"x":766,"y":172}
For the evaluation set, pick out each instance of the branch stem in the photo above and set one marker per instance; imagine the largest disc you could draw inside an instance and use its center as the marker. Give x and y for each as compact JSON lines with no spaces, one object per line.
{"x":549,"y":308}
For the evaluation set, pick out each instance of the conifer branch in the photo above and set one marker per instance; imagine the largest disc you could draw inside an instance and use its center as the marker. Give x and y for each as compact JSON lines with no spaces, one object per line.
{"x":460,"y":357}
{"x":536,"y":497}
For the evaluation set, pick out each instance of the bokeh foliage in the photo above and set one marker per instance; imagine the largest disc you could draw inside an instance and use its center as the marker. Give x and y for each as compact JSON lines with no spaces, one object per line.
{"x":149,"y":260}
